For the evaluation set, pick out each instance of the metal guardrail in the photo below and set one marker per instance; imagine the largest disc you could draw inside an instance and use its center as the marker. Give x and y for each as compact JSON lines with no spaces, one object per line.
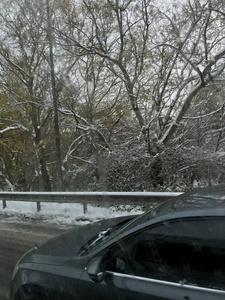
{"x":95,"y":198}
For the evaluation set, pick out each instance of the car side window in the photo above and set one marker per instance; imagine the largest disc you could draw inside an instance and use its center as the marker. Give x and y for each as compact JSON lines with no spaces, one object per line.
{"x":188,"y":251}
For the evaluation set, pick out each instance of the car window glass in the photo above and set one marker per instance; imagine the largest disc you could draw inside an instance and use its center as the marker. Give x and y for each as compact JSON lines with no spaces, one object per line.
{"x":211,"y":227}
{"x":190,"y":251}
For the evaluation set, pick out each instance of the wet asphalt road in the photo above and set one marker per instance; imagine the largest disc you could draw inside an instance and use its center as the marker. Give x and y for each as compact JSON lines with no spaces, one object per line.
{"x":15,"y":240}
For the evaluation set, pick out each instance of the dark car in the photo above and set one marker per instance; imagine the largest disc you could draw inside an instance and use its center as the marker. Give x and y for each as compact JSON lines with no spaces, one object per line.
{"x":175,"y":251}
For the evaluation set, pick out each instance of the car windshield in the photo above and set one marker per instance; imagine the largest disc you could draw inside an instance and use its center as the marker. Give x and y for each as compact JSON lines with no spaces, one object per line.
{"x":156,"y":212}
{"x":101,"y":237}
{"x":112,"y":233}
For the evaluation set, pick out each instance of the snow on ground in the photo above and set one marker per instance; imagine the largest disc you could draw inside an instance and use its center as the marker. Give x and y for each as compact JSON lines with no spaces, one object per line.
{"x":62,"y":214}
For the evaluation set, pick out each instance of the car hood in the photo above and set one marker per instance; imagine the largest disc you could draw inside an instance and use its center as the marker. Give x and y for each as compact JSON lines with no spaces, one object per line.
{"x":60,"y":249}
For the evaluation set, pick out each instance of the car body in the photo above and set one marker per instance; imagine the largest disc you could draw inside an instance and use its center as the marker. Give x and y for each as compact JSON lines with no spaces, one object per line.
{"x":175,"y":251}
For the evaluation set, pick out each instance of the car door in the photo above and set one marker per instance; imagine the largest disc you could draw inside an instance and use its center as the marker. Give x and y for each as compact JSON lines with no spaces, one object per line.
{"x":181,"y":259}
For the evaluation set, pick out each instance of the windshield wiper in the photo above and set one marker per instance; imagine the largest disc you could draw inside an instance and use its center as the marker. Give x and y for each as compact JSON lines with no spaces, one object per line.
{"x":101,"y":236}
{"x":96,"y":240}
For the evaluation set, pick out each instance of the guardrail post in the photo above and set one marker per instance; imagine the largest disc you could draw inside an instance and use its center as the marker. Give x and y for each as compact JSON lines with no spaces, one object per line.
{"x":85,"y":208}
{"x":38,"y":206}
{"x":4,"y":203}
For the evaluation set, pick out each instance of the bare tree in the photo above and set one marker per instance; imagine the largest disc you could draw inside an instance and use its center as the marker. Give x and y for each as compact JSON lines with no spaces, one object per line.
{"x":129,"y":74}
{"x":23,"y":76}
{"x":168,"y":66}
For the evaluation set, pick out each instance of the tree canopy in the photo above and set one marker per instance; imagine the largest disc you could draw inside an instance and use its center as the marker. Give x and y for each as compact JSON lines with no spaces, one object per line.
{"x":139,"y":86}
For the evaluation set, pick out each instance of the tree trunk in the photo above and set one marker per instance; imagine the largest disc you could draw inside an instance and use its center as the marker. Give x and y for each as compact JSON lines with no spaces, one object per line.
{"x":44,"y":172}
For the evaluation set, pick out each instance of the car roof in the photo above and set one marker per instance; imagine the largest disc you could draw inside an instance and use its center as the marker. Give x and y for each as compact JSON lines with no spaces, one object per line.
{"x":209,"y":201}
{"x":200,"y":198}
{"x":201,"y":202}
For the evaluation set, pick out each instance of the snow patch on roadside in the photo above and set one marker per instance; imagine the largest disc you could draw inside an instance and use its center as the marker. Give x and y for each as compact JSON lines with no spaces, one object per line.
{"x":63,"y":213}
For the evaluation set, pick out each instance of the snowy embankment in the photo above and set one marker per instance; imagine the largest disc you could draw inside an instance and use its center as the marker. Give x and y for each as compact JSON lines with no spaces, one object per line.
{"x":62,"y":214}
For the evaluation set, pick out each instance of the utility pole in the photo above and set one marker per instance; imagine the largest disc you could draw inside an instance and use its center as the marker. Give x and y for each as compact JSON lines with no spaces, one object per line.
{"x":55,"y":98}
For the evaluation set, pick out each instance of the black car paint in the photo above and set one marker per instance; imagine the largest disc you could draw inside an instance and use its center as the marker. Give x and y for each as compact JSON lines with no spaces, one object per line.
{"x":50,"y":266}
{"x":61,"y":272}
